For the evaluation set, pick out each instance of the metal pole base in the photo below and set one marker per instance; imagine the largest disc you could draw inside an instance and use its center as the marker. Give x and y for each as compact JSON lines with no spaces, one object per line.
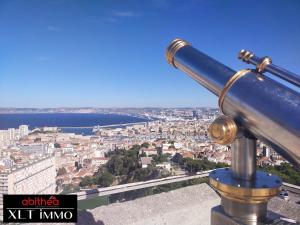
{"x":219,"y":217}
{"x":245,"y":212}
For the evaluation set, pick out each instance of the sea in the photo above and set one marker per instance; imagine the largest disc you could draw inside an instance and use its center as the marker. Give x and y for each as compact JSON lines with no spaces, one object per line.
{"x":68,"y":122}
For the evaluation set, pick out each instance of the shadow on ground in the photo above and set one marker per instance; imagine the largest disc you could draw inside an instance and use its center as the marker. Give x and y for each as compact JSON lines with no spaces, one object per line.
{"x":85,"y":217}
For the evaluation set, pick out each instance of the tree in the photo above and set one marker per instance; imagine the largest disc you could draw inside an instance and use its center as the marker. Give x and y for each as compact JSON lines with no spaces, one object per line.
{"x":133,"y":153}
{"x":143,"y":174}
{"x":135,"y":147}
{"x":105,"y":179}
{"x":177,"y":158}
{"x":115,"y":165}
{"x":196,"y":165}
{"x":161,"y":158}
{"x":130,"y":163}
{"x":86,"y":181}
{"x":286,"y":171}
{"x":123,"y":162}
{"x":159,"y":150}
{"x":61,"y":171}
{"x":57,"y":145}
{"x":145,"y":145}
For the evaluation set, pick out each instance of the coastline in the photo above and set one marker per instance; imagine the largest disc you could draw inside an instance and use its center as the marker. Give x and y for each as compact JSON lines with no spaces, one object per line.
{"x":78,"y":120}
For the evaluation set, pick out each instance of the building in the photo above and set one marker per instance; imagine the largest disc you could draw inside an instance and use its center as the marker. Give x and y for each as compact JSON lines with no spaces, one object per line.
{"x":7,"y":136}
{"x":36,"y":149}
{"x":195,"y":114}
{"x":148,"y":151}
{"x":36,"y":177}
{"x":146,"y":161}
{"x":23,"y":130}
{"x":98,"y":161}
{"x":266,"y":151}
{"x":12,"y":134}
{"x":50,"y":129}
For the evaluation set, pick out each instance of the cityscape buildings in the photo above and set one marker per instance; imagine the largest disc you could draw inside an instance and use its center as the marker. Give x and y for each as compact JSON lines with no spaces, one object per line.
{"x":182,"y":131}
{"x":10,"y":135}
{"x":47,"y":160}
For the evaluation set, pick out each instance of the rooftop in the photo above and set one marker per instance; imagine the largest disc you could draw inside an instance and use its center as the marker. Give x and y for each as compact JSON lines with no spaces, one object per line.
{"x":14,"y":168}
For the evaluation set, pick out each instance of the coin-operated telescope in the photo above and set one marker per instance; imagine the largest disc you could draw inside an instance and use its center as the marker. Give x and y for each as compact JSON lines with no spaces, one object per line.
{"x":255,"y":106}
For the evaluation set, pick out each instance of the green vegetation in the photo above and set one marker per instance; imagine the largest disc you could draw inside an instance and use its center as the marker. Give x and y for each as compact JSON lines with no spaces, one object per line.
{"x":87,"y":181}
{"x":123,"y":162}
{"x":196,"y":165}
{"x":57,"y":145}
{"x":131,"y":195}
{"x":143,"y":174}
{"x":160,"y":158}
{"x":176,"y":185}
{"x":69,"y":188}
{"x":103,"y":179}
{"x":93,"y":202}
{"x":124,"y":166}
{"x":145,"y":145}
{"x":286,"y":171}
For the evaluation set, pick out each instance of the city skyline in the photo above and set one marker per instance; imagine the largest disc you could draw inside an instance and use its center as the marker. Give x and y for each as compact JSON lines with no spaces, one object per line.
{"x":111,"y":54}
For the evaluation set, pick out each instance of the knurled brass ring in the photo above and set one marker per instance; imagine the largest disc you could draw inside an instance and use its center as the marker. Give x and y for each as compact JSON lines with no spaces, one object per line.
{"x":228,"y":85}
{"x":248,"y":195}
{"x":175,"y":45}
{"x":223,"y":130}
{"x":260,"y":67}
{"x":266,"y":186}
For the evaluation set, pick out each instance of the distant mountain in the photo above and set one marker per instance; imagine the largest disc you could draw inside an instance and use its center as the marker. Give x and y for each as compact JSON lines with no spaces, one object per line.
{"x":48,"y":110}
{"x":114,"y":110}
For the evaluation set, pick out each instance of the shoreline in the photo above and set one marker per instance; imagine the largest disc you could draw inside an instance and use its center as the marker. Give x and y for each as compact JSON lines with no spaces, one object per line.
{"x":69,"y":120}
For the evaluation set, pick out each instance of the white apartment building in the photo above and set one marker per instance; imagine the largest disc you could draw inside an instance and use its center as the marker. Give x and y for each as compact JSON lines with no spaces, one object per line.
{"x":12,"y":134}
{"x":24,"y":130}
{"x":36,"y":177}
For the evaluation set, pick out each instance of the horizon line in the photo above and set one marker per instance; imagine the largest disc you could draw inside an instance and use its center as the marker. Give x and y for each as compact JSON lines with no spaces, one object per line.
{"x":114,"y":107}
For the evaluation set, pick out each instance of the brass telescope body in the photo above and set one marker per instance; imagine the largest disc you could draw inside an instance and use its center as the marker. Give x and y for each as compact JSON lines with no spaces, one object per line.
{"x":254,"y":107}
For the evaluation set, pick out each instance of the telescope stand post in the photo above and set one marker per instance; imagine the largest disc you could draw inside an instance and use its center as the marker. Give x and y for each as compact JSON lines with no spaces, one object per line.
{"x":244,"y":191}
{"x":243,"y":169}
{"x":243,"y":158}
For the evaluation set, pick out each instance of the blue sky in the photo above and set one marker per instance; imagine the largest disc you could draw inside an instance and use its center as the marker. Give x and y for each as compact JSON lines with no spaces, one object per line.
{"x":111,"y":53}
